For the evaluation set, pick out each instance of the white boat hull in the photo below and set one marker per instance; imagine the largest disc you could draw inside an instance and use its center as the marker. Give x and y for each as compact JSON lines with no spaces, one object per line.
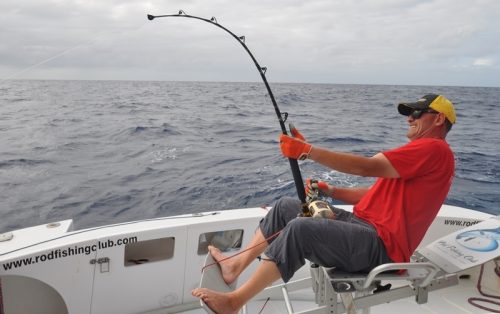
{"x":144,"y":266}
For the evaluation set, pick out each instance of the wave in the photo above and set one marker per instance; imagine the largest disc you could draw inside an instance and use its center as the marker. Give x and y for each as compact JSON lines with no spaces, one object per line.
{"x":22,"y":162}
{"x":150,"y":131}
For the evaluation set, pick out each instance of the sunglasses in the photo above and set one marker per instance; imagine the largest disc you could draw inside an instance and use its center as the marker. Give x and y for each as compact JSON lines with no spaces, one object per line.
{"x":417,"y":113}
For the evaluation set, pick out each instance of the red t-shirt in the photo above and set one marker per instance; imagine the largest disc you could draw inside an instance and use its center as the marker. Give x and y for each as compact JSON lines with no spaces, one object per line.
{"x":402,"y":209}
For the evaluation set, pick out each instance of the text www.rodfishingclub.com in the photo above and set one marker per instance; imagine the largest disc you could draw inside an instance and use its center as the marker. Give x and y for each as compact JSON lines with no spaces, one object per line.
{"x":66,"y":252}
{"x":460,"y":223}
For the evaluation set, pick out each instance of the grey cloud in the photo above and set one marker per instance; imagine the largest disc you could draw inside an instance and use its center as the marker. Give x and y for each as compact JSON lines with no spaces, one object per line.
{"x":300,"y":41}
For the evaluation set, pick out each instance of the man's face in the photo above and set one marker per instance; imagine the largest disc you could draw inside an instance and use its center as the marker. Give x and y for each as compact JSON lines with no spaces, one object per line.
{"x":420,"y":127}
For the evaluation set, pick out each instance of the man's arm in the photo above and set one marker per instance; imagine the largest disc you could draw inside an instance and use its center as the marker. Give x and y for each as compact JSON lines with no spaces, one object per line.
{"x":349,"y":195}
{"x":376,"y":166}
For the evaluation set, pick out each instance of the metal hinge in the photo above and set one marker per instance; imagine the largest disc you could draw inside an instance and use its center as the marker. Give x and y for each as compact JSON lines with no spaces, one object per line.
{"x":103,"y":263}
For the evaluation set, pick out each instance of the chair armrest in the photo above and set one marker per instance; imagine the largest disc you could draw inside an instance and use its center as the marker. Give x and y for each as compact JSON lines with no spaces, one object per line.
{"x":431,"y":268}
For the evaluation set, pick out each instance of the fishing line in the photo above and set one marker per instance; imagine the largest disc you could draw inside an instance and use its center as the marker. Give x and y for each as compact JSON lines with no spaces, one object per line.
{"x":68,"y":50}
{"x":294,"y":165}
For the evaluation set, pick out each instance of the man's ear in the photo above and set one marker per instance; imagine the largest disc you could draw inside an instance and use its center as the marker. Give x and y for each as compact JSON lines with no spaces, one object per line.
{"x":440,"y":119}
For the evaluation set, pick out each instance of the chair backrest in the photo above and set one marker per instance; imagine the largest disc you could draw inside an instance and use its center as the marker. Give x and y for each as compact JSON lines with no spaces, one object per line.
{"x":466,"y":248}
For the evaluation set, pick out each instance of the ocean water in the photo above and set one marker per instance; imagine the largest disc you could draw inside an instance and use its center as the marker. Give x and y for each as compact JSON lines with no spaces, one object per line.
{"x":104,"y":152}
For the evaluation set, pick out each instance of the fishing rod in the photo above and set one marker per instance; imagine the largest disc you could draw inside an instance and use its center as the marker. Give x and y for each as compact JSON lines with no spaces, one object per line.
{"x":294,"y":165}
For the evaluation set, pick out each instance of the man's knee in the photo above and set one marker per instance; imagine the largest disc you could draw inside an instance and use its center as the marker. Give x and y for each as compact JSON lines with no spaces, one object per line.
{"x":301,"y":227}
{"x":287,"y":204}
{"x":287,"y":201}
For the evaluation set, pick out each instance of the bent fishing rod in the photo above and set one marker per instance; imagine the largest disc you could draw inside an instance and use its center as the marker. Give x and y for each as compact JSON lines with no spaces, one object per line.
{"x":294,"y":165}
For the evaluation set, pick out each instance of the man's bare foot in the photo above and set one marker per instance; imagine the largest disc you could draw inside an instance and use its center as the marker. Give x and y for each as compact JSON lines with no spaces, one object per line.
{"x":228,"y":267}
{"x":218,"y":302}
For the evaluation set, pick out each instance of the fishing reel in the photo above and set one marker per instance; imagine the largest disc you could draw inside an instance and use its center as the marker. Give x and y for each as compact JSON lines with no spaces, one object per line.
{"x":320,"y":209}
{"x":315,"y":207}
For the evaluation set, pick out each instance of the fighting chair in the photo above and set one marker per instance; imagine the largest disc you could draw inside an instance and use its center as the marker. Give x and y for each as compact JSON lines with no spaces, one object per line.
{"x":433,"y":267}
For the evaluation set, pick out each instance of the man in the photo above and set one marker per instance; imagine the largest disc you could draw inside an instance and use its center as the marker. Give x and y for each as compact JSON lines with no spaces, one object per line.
{"x":388,"y":222}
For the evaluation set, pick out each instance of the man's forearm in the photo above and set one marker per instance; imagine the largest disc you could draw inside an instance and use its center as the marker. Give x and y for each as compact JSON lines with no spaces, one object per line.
{"x":343,"y":162}
{"x":375,"y":166}
{"x":349,"y":195}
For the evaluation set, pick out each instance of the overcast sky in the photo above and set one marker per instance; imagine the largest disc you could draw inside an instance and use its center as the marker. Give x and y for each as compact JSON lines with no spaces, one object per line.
{"x":408,"y":42}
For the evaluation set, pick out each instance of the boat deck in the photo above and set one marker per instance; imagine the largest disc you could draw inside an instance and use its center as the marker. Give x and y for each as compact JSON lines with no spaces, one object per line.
{"x":451,"y":300}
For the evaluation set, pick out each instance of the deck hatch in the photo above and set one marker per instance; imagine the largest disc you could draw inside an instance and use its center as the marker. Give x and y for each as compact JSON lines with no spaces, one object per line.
{"x":148,"y":251}
{"x":227,"y":240}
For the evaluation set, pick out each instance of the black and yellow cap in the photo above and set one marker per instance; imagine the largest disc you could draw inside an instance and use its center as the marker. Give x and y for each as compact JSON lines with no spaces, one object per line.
{"x":435,"y":102}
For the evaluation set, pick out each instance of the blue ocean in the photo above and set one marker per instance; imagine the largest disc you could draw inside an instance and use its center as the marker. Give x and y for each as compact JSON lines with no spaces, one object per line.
{"x":103,"y":152}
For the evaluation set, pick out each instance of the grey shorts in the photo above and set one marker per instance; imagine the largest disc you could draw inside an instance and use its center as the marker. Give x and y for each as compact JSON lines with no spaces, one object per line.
{"x":347,"y":243}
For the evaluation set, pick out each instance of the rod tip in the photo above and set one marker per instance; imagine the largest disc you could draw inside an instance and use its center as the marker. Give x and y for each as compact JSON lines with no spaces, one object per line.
{"x":150,"y":17}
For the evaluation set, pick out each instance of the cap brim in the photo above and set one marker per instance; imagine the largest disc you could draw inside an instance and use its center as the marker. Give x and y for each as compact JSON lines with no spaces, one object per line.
{"x":406,"y":108}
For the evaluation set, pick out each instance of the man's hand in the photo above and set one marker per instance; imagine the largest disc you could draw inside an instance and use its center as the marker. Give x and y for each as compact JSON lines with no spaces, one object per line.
{"x":320,"y":188}
{"x":294,"y":147}
{"x":296,"y":133}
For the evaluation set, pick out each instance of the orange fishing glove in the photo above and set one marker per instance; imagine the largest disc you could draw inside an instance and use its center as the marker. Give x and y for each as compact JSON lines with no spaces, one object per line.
{"x":294,"y":147}
{"x":314,"y":187}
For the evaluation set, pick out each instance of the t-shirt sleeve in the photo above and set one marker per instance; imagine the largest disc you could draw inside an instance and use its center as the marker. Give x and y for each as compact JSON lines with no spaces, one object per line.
{"x":416,"y":158}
